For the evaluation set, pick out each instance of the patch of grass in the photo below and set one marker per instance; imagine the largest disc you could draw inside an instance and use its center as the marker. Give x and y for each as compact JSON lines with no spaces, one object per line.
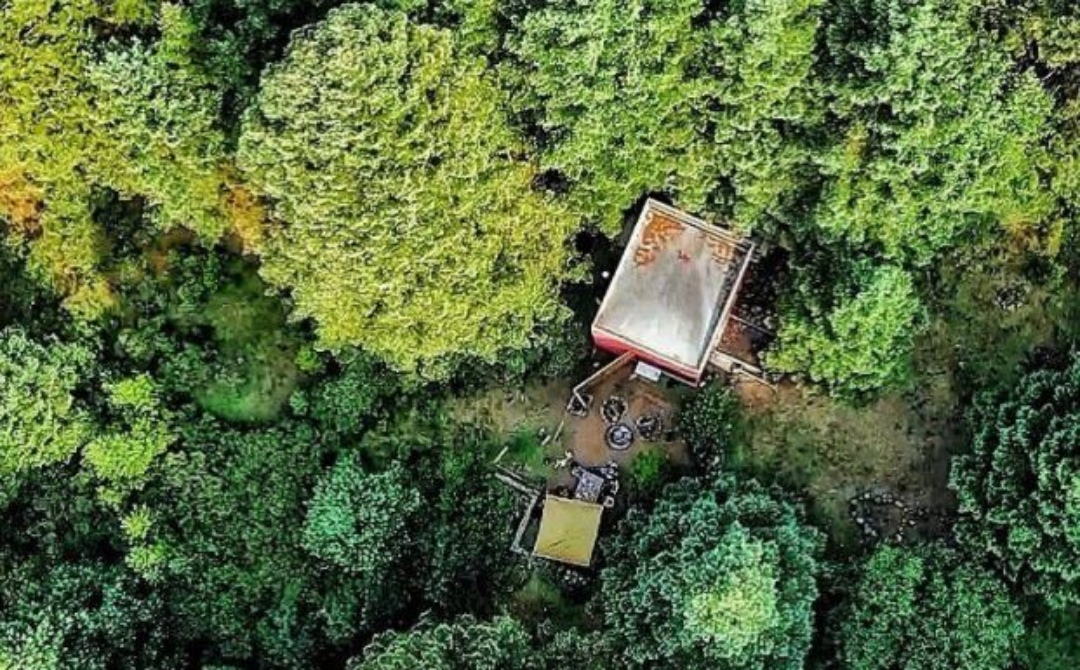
{"x":256,"y":350}
{"x":983,"y":344}
{"x":649,"y":471}
{"x":540,"y":600}
{"x":830,"y":451}
{"x":525,"y":449}
{"x":509,"y":411}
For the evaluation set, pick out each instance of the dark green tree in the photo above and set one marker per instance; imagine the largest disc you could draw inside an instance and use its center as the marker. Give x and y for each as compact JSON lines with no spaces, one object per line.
{"x":720,"y":578}
{"x":925,"y":608}
{"x":80,"y":616}
{"x":343,"y":403}
{"x":711,"y":424}
{"x":358,"y":520}
{"x":1019,"y":484}
{"x":456,"y":554}
{"x":220,"y":533}
{"x":1053,"y":640}
{"x":471,"y":523}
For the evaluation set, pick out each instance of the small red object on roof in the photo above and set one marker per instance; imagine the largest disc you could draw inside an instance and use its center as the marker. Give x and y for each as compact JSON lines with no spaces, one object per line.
{"x":673,"y":291}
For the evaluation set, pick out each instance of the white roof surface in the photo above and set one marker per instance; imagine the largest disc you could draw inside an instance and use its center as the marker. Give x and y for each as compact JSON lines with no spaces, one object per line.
{"x":673,"y":284}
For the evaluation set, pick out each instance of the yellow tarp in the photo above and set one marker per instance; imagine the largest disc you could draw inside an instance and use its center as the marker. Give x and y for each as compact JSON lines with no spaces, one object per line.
{"x":568,"y":530}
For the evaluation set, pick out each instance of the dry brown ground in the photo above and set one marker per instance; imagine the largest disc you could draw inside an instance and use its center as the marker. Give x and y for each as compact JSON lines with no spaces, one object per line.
{"x":833,"y":451}
{"x":539,"y":410}
{"x":801,"y":438}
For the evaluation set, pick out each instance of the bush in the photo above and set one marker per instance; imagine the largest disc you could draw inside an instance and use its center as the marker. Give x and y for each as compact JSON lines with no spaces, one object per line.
{"x":711,"y":424}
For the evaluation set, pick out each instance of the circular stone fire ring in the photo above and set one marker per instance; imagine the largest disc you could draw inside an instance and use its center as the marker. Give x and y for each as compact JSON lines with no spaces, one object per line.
{"x":613,"y":409}
{"x":649,"y":426}
{"x":619,"y":437}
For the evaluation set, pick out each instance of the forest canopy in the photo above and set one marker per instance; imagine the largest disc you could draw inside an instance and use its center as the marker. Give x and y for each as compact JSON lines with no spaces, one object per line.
{"x":294,"y":306}
{"x":386,"y":151}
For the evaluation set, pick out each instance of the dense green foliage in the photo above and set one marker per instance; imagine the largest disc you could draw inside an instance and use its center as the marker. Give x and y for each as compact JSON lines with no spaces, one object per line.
{"x":709,"y":422}
{"x":358,"y":522}
{"x":923,"y":608}
{"x":280,"y":280}
{"x":712,"y":579}
{"x":666,"y":96}
{"x":1054,"y":640}
{"x":859,"y":341}
{"x":41,"y":421}
{"x":945,"y":140}
{"x":464,"y":644}
{"x":1018,"y":486}
{"x":409,"y":268}
{"x":78,"y":616}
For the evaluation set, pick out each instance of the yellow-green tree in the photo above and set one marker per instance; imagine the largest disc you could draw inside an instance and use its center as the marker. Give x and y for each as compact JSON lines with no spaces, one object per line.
{"x":945,"y":141}
{"x":41,"y":422}
{"x":409,"y":224}
{"x":160,"y":113}
{"x":857,"y":341}
{"x":137,"y":121}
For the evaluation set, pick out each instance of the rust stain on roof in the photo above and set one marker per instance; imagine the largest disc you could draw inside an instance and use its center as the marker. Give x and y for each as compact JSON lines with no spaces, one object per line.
{"x":658,"y":232}
{"x":723,"y":251}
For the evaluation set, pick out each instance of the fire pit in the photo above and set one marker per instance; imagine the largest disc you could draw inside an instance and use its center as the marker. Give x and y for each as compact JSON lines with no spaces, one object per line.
{"x":579,"y":404}
{"x":649,"y":426}
{"x":613,"y":409}
{"x":619,"y":437}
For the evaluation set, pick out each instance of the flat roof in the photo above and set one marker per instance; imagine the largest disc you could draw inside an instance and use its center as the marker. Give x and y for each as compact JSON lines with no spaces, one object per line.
{"x":568,"y":530}
{"x":674,"y":285}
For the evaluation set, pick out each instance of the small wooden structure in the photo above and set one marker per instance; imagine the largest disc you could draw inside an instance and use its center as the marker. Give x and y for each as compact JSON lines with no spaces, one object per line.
{"x":568,"y":530}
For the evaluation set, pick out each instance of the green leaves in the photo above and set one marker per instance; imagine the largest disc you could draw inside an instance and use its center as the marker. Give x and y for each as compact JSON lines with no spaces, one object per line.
{"x":1018,"y":486}
{"x":227,"y":513}
{"x":860,"y":343}
{"x":661,"y":95}
{"x":41,"y":421}
{"x":735,"y":604}
{"x":139,"y":121}
{"x":463,"y":644}
{"x":709,"y":579}
{"x":359,"y":521}
{"x":945,"y":144}
{"x":711,"y":425}
{"x":122,"y":454}
{"x":926,"y":608}
{"x":161,"y":113}
{"x":409,"y":226}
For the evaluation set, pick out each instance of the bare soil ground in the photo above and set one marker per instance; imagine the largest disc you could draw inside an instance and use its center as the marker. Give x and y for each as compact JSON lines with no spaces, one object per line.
{"x":898,"y":446}
{"x":539,"y":412}
{"x":831,"y":452}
